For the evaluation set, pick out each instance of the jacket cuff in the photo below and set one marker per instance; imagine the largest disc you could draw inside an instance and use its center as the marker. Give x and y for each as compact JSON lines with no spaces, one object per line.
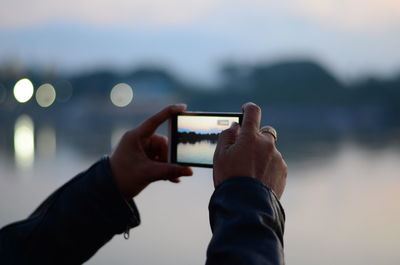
{"x":249,"y":194}
{"x":122,"y":211}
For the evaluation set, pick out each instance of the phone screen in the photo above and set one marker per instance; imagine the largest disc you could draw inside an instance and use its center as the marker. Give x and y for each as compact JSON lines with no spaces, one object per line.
{"x":196,"y":137}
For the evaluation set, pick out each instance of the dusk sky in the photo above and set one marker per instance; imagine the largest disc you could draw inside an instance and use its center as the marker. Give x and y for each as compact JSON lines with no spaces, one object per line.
{"x":351,"y":38}
{"x":204,"y":124}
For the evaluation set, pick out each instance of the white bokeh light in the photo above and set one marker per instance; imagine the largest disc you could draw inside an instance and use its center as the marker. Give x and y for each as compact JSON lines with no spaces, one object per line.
{"x":46,"y":142}
{"x":24,"y":144}
{"x":45,"y":95}
{"x":23,"y":90}
{"x":121,"y":95}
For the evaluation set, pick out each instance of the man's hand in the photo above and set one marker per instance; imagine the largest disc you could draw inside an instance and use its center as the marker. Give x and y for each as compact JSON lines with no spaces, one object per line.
{"x":141,"y":156}
{"x":247,"y":151}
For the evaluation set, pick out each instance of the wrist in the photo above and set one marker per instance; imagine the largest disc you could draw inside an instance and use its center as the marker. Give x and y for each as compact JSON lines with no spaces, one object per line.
{"x":118,"y":178}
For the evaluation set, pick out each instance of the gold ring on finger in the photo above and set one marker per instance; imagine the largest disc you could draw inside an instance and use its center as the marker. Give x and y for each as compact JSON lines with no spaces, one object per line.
{"x":270,"y":131}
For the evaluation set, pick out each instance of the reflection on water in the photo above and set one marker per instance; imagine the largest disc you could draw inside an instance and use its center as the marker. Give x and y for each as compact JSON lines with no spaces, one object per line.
{"x":27,"y":144}
{"x":201,"y":152}
{"x":46,"y":142}
{"x":24,"y":144}
{"x":343,"y":210}
{"x":342,"y":203}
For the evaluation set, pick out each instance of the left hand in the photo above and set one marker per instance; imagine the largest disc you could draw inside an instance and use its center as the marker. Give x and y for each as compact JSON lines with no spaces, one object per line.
{"x":141,"y":156}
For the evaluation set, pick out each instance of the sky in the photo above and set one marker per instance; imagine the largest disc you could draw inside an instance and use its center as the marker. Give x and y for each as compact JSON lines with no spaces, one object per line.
{"x":352,"y":38}
{"x":204,"y":124}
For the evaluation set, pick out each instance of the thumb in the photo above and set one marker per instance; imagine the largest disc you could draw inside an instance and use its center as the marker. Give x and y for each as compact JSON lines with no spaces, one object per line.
{"x":164,"y":171}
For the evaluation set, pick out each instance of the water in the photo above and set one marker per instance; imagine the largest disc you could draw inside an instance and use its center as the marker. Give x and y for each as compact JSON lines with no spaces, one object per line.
{"x":342,"y":208}
{"x":200,"y":152}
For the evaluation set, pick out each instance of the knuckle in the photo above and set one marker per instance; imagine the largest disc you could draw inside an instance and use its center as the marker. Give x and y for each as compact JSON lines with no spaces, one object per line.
{"x":229,"y":130}
{"x":152,"y":121}
{"x":221,"y":135}
{"x":176,"y":173}
{"x":248,"y":137}
{"x":169,"y":110}
{"x":127,"y":135}
{"x":225,"y":133}
{"x":251,"y":137}
{"x":269,"y":146}
{"x":164,"y":138}
{"x":173,"y":171}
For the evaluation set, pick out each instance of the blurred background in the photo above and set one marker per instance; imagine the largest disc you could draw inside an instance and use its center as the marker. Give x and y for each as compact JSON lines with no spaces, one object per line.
{"x":75,"y":75}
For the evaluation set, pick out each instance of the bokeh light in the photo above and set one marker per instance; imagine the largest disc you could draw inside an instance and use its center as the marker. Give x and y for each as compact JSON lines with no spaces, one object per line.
{"x":45,"y":95}
{"x":121,"y":95}
{"x":24,"y":145}
{"x":23,"y":90}
{"x":46,"y":142}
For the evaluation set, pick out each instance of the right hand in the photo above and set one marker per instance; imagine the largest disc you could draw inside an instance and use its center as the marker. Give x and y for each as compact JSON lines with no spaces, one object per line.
{"x":243,"y":151}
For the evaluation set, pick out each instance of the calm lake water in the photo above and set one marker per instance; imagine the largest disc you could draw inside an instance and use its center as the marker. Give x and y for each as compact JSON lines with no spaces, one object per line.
{"x":201,"y":152}
{"x":343,"y":208}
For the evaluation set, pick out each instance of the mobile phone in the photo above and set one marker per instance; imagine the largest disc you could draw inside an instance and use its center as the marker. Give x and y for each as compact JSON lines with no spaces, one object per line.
{"x":194,"y":136}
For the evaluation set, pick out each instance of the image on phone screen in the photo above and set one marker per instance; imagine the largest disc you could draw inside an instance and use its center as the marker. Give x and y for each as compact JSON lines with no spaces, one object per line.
{"x":197,"y":137}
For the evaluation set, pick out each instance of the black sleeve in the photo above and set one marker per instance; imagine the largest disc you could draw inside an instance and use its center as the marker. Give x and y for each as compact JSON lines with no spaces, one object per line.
{"x":247,"y":222}
{"x":72,"y":223}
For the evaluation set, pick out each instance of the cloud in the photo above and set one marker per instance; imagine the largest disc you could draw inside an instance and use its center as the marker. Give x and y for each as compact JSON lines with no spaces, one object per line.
{"x":22,"y":13}
{"x":350,"y":37}
{"x":353,"y":15}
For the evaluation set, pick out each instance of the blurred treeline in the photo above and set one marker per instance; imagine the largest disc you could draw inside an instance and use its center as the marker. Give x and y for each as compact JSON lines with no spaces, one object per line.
{"x":297,"y":97}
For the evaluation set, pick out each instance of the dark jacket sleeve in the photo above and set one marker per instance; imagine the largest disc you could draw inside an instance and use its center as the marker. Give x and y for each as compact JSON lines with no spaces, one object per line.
{"x":247,"y":222}
{"x":72,"y":223}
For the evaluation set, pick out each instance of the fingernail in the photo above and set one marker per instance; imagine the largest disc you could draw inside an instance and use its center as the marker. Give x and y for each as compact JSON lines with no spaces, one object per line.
{"x":234,"y":124}
{"x":246,"y":104}
{"x":180,"y":106}
{"x":187,"y":171}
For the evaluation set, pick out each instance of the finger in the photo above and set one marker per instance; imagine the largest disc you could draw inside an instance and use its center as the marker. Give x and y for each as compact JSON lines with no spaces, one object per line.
{"x":150,"y":125}
{"x":158,"y":147}
{"x":251,"y":118}
{"x":176,"y":180}
{"x":228,"y":136}
{"x":164,"y":171}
